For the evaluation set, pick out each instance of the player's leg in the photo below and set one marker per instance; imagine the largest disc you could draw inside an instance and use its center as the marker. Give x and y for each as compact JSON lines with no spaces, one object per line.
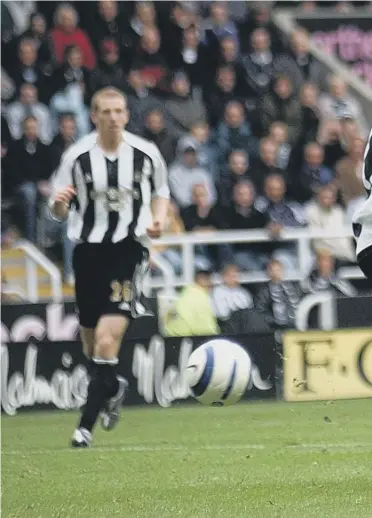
{"x":105,"y":385}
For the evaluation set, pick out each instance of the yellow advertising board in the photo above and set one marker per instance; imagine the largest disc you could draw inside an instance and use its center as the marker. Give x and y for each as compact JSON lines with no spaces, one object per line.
{"x":321,"y":365}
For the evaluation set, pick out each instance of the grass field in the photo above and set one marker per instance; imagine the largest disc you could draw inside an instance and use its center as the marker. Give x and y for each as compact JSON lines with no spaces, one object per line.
{"x":256,"y":460}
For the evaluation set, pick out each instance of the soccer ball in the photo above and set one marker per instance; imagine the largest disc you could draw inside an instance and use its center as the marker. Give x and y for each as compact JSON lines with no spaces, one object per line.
{"x":218,"y":372}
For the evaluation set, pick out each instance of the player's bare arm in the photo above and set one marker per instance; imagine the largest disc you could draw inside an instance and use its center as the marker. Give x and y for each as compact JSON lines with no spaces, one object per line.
{"x":61,"y":203}
{"x":159,"y":214}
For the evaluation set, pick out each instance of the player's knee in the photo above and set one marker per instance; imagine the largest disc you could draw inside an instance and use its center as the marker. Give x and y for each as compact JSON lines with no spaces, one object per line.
{"x":106,"y":346}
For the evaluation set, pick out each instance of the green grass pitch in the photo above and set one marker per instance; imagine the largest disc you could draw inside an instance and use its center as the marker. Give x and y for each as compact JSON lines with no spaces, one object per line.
{"x":257,"y":460}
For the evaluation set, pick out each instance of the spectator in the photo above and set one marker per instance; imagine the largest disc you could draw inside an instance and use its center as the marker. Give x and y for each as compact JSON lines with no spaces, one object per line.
{"x":218,"y":26}
{"x":309,"y":95}
{"x":330,"y":138}
{"x":193,"y":312}
{"x":173,"y":255}
{"x":299,"y":64}
{"x":229,"y":296}
{"x":260,"y":18}
{"x":149,"y":60}
{"x":237,"y":170}
{"x":65,"y":137}
{"x":157,"y":131}
{"x":71,"y":83}
{"x":205,"y":152}
{"x":244,"y":216}
{"x":28,"y":105}
{"x":221,"y":93}
{"x":144,"y":17}
{"x":108,"y":24}
{"x":183,"y":111}
{"x":234,"y":132}
{"x":229,"y":56}
{"x":7,"y":86}
{"x":324,"y":277}
{"x":314,"y":174}
{"x":6,"y":138}
{"x":278,"y":132}
{"x":194,"y":58}
{"x":66,"y":33}
{"x":109,"y":71}
{"x":278,"y":299}
{"x":339,"y":104}
{"x":140,"y":100}
{"x":349,"y":177}
{"x":27,"y":171}
{"x":185,"y":173}
{"x":282,"y":105}
{"x":37,"y":32}
{"x":282,"y":214}
{"x":259,"y":65}
{"x":266,"y":163}
{"x":324,"y":214}
{"x":203,"y":216}
{"x":28,"y":71}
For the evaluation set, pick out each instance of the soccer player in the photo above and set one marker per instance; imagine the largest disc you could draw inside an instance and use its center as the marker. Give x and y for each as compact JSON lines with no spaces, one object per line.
{"x":362,"y":220}
{"x":113,"y":188}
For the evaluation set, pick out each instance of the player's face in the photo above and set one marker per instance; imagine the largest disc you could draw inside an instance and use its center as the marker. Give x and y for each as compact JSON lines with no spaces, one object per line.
{"x":111,"y":115}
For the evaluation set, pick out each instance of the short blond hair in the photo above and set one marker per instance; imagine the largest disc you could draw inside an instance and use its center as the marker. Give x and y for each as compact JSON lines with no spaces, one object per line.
{"x":108,"y":91}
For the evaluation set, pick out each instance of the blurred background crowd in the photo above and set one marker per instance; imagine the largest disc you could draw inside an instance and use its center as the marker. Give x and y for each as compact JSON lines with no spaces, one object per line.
{"x":255,"y":132}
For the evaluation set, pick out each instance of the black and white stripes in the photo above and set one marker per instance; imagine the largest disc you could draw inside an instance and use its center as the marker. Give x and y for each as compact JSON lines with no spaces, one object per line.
{"x":113,"y":191}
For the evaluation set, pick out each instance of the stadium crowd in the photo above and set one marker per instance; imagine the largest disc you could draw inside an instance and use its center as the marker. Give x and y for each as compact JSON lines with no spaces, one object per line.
{"x":254,"y":131}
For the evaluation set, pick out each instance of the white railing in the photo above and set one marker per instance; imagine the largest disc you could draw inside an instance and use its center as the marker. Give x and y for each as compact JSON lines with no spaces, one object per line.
{"x":33,"y":259}
{"x":302,"y":237}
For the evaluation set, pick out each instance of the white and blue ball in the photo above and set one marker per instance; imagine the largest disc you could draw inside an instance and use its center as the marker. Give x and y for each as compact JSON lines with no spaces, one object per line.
{"x":218,"y":372}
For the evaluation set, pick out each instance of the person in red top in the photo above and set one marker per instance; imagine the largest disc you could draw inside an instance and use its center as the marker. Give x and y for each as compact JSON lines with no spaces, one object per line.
{"x":66,"y":33}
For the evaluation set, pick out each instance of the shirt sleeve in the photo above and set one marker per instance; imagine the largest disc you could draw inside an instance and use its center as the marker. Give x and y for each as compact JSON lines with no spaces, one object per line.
{"x":160,"y":176}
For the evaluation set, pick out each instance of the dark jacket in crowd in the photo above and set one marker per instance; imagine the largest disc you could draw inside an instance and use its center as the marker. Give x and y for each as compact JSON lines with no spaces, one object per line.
{"x":26,"y":162}
{"x":65,"y":75}
{"x":107,"y":75}
{"x":165,"y":141}
{"x":254,"y":219}
{"x":215,"y":218}
{"x":278,"y":302}
{"x":216,"y":101}
{"x":286,"y":110}
{"x":302,"y":69}
{"x":37,"y":76}
{"x":259,"y":74}
{"x":57,"y":147}
{"x":139,"y":105}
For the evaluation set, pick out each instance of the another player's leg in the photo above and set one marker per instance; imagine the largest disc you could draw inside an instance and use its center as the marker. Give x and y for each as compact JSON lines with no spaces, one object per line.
{"x":105,"y":386}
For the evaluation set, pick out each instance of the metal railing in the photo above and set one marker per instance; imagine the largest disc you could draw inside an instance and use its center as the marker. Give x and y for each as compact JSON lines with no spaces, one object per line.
{"x":33,"y":259}
{"x":302,"y":238}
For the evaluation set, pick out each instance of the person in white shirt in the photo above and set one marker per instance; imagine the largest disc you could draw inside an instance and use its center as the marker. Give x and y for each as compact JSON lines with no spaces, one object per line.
{"x":230,"y":296}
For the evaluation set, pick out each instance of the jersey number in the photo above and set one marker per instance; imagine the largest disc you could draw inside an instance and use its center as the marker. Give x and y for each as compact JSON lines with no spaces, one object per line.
{"x":121,"y":291}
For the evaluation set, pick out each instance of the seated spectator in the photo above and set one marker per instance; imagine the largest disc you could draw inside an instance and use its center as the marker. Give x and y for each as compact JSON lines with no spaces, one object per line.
{"x":325,"y":278}
{"x":282,"y":105}
{"x":313,"y":174}
{"x":277,"y":301}
{"x":194,"y":58}
{"x":229,"y":57}
{"x":339,"y":104}
{"x":266,"y":164}
{"x":7,"y":86}
{"x":278,"y":132}
{"x":237,"y":170}
{"x":329,"y":137}
{"x":26,"y":173}
{"x":299,"y":64}
{"x":173,"y":255}
{"x":259,"y":17}
{"x":229,"y":296}
{"x":38,"y":33}
{"x":185,"y":173}
{"x":182,"y":110}
{"x":349,"y":177}
{"x":221,"y":93}
{"x":66,"y":33}
{"x":234,"y":132}
{"x":244,"y":216}
{"x":206,"y":153}
{"x":140,"y":101}
{"x":71,"y":83}
{"x":218,"y":26}
{"x":258,"y":65}
{"x":65,"y":137}
{"x":28,"y":71}
{"x":204,"y":216}
{"x":282,"y":214}
{"x":157,"y":131}
{"x":144,"y":17}
{"x":28,"y":105}
{"x":149,"y":60}
{"x":193,"y":313}
{"x":109,"y":71}
{"x":324,"y":214}
{"x":309,"y":97}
